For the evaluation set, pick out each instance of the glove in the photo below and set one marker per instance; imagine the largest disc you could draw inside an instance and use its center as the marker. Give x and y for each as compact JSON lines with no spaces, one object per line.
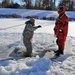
{"x":60,"y":30}
{"x":39,"y":26}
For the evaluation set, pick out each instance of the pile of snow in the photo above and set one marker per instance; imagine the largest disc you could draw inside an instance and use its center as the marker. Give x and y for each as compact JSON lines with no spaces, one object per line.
{"x":25,"y":67}
{"x":37,"y":13}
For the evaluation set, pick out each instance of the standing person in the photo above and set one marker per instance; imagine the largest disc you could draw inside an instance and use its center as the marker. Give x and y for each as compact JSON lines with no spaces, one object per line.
{"x":28,"y":35}
{"x":61,"y":30}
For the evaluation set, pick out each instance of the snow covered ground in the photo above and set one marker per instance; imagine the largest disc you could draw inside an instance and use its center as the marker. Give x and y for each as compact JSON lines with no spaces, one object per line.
{"x":43,"y":39}
{"x":39,"y":13}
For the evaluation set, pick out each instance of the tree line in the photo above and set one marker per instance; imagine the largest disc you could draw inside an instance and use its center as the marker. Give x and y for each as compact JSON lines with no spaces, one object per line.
{"x":38,"y":4}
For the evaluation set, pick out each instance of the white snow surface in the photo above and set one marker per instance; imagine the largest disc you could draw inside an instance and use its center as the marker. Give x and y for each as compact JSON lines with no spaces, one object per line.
{"x":39,"y":13}
{"x":43,"y":39}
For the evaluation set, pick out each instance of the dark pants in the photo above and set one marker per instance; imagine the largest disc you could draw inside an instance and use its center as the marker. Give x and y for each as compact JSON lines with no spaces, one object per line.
{"x":28,"y":45}
{"x":60,"y":47}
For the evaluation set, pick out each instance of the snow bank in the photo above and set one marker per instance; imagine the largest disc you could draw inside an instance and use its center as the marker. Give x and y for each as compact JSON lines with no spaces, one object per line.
{"x":25,"y":67}
{"x":38,"y":13}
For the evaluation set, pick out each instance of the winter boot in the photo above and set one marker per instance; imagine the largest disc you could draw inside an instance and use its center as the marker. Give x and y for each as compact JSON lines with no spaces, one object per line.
{"x":59,"y":52}
{"x":27,"y":54}
{"x":56,"y":51}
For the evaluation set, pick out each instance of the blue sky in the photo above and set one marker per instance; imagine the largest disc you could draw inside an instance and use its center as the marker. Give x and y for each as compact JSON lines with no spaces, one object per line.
{"x":19,"y":1}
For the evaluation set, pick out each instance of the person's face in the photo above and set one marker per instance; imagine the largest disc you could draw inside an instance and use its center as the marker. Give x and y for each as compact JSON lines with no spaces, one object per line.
{"x":60,"y":9}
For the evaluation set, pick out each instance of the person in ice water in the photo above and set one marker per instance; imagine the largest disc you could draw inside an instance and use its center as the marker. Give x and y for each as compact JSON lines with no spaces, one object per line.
{"x":61,"y":30}
{"x":28,"y":33}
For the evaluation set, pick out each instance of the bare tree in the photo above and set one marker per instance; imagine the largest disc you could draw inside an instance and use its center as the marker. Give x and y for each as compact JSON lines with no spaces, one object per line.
{"x":5,"y":3}
{"x":67,"y":3}
{"x":28,"y":3}
{"x":38,"y":4}
{"x":49,"y":4}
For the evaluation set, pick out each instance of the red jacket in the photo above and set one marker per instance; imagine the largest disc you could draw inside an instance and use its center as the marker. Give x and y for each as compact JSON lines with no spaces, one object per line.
{"x":61,"y":27}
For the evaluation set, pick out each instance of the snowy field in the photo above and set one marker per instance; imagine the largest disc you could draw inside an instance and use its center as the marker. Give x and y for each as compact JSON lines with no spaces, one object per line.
{"x":43,"y":39}
{"x":39,"y":13}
